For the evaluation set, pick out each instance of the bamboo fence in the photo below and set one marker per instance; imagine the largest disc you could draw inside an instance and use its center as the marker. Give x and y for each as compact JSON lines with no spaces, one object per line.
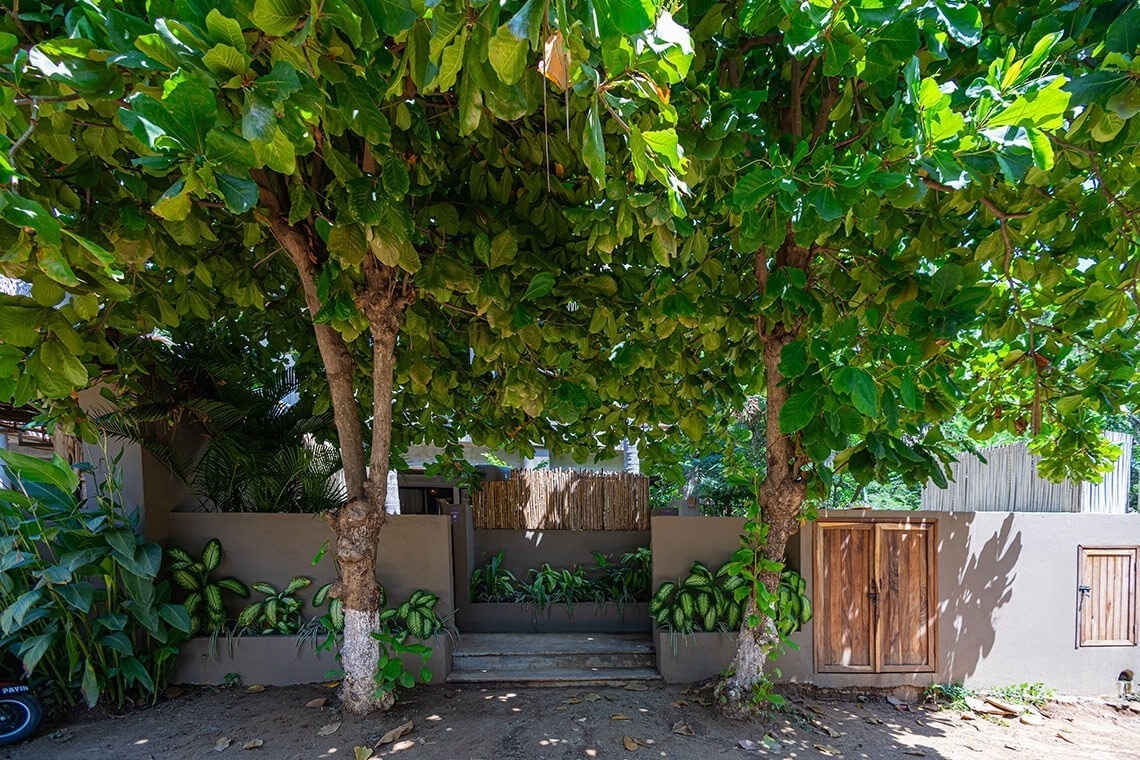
{"x":563,"y":500}
{"x":1008,"y":482}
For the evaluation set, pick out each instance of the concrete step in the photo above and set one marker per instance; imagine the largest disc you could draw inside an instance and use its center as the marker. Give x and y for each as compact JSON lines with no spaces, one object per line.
{"x":553,"y":659}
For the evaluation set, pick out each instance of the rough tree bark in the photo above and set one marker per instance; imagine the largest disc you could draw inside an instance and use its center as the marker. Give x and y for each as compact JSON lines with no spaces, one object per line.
{"x":780,"y":499}
{"x":383,"y":298}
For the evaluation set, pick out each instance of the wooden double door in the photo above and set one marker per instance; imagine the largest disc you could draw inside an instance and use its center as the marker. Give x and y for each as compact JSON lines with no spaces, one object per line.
{"x":875,"y":598}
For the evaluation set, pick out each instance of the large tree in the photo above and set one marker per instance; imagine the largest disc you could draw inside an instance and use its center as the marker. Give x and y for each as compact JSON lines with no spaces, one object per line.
{"x":408,"y":162}
{"x":901,"y":211}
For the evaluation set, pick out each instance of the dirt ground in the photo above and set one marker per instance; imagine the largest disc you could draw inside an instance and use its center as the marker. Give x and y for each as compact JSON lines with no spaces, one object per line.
{"x":479,"y":723}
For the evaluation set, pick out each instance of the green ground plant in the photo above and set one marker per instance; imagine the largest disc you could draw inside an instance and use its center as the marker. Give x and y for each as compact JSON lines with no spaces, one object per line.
{"x":82,"y":608}
{"x":205,"y":595}
{"x":279,"y":611}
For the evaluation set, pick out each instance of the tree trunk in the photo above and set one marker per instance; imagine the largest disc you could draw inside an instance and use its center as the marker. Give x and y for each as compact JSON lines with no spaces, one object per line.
{"x":357,"y":524}
{"x":780,"y":499}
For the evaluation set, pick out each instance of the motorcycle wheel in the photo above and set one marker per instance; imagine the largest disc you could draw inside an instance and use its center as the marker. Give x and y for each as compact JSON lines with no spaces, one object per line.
{"x":19,"y":716}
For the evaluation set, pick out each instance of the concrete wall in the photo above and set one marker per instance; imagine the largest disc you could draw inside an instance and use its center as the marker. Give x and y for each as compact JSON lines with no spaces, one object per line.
{"x":679,"y":541}
{"x":524,"y":550}
{"x":414,"y":553}
{"x":1007,"y":603}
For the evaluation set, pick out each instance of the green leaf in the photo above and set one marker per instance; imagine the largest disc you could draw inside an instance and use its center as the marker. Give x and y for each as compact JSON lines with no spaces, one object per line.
{"x":861,"y":386}
{"x":61,"y":362}
{"x":55,"y":472}
{"x":281,"y":82}
{"x":240,"y":193}
{"x":944,"y":282}
{"x":89,"y":685}
{"x":25,"y":212}
{"x":798,"y":411}
{"x":1043,"y":109}
{"x":527,"y":23}
{"x":503,"y":249}
{"x":507,"y":55}
{"x":627,"y":16}
{"x":392,"y":16}
{"x":225,"y":62}
{"x":348,"y":244}
{"x":1041,"y":147}
{"x":962,"y":20}
{"x":278,"y":17}
{"x":224,"y":30}
{"x":1123,"y":34}
{"x":594,"y":147}
{"x":754,"y":187}
{"x":258,"y":118}
{"x":540,"y":285}
{"x":229,"y":151}
{"x":793,"y":359}
{"x":361,"y":112}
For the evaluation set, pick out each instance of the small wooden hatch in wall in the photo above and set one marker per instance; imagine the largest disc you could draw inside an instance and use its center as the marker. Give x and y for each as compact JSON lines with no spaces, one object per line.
{"x":1106,"y":596}
{"x":875,"y":597}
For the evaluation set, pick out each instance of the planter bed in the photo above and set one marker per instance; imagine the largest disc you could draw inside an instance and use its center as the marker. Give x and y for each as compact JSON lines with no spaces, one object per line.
{"x":279,"y":661}
{"x":556,"y":618}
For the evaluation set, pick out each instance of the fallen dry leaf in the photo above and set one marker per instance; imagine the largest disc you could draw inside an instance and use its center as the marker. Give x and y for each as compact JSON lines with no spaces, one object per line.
{"x":222,"y":744}
{"x":680,"y":703}
{"x":636,"y":687}
{"x":173,"y":692}
{"x":683,"y":729}
{"x":704,"y":702}
{"x":328,"y":729}
{"x":644,"y":742}
{"x":401,"y":746}
{"x":619,"y":716}
{"x":400,"y":730}
{"x":254,"y":689}
{"x":253,"y":744}
{"x":361,"y":753}
{"x":1032,"y":719}
{"x":816,"y":709}
{"x":572,"y":701}
{"x":827,"y":749}
{"x":915,"y":753}
{"x":629,"y":743}
{"x":1062,"y":736}
{"x":873,"y":721}
{"x":827,"y":730}
{"x":331,"y":684}
{"x":592,"y":697}
{"x":318,"y":702}
{"x":770,"y":742}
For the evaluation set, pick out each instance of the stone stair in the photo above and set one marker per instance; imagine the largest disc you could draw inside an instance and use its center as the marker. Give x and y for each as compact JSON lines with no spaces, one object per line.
{"x":553,"y":659}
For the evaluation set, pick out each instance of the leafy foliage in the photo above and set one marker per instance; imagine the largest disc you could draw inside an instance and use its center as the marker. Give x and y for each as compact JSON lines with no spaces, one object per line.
{"x":278,"y":612}
{"x":204,"y":594}
{"x":261,"y":447}
{"x":83,"y":609}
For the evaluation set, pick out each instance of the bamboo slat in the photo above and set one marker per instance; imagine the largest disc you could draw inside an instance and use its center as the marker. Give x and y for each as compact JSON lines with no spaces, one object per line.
{"x":563,"y":499}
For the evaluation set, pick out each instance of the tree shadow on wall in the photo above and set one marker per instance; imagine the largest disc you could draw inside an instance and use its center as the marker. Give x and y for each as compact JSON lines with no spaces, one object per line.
{"x":984,"y":583}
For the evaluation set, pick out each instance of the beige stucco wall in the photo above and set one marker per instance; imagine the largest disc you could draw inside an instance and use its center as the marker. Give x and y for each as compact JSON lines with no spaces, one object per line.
{"x":414,"y":552}
{"x":679,"y":541}
{"x":1007,"y":603}
{"x":525,"y":550}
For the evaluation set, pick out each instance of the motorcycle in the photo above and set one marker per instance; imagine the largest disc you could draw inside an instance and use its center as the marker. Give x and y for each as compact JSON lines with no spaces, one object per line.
{"x":20,"y":713}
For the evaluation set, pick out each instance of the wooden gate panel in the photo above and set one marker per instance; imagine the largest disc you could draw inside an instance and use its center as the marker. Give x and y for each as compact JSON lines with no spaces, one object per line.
{"x":1107,"y":594}
{"x":905,"y":632}
{"x":843,"y":609}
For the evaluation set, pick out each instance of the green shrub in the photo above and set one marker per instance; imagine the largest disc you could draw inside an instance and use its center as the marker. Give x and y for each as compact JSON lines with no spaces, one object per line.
{"x":82,"y":609}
